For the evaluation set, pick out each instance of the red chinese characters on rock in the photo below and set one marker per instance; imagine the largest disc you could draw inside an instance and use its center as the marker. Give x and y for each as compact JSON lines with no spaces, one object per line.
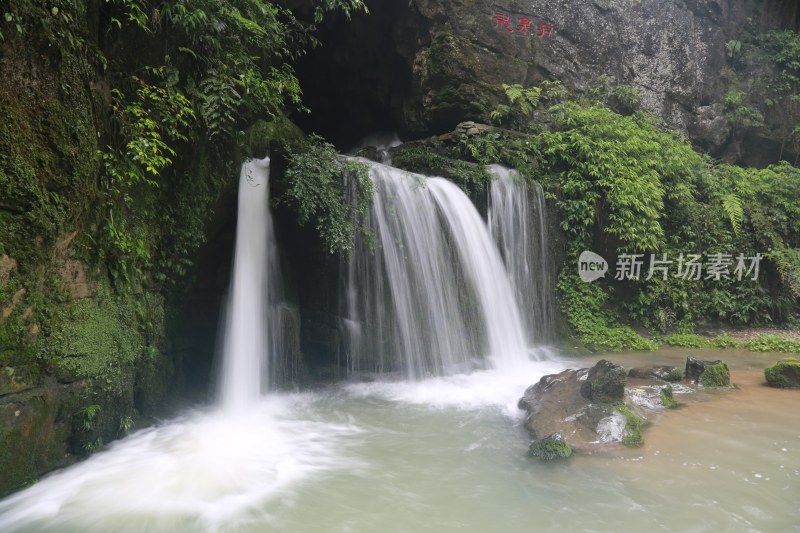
{"x":523,"y":26}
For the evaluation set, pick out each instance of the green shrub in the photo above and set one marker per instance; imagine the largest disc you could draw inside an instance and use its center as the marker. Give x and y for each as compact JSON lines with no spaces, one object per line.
{"x":773,"y":343}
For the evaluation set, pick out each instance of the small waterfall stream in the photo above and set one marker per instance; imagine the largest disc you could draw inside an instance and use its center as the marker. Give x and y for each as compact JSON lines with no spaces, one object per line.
{"x":518,"y":225}
{"x":247,"y":335}
{"x":432,"y":296}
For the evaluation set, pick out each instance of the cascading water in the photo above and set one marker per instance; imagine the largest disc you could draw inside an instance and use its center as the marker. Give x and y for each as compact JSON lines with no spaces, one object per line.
{"x":518,"y":225}
{"x":432,"y":297}
{"x":208,"y":470}
{"x":252,"y":324}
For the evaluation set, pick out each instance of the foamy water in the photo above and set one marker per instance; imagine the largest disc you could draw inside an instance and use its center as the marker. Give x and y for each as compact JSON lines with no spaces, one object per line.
{"x":205,"y":471}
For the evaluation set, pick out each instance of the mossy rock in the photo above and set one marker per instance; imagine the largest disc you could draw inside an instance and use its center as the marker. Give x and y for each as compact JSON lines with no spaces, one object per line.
{"x":674,"y":375}
{"x":784,"y":374}
{"x":633,"y":427}
{"x":550,"y":448}
{"x":716,"y":375}
{"x":667,"y":398}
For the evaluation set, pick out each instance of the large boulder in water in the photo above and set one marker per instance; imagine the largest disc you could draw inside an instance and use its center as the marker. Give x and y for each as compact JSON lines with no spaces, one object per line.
{"x":575,"y":403}
{"x":784,"y":374}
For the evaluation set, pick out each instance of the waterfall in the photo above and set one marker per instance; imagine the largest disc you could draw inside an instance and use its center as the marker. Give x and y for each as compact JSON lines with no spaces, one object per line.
{"x":253,"y":318}
{"x":430,"y":295}
{"x":518,"y":225}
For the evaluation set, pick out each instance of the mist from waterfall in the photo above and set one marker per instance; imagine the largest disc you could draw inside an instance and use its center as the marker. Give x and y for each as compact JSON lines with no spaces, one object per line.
{"x":518,"y":225}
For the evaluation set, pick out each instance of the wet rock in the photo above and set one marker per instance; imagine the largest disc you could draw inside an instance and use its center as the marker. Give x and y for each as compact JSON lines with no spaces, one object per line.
{"x":695,"y":367}
{"x":605,"y":383}
{"x":551,"y":447}
{"x":716,"y":375}
{"x":667,"y":398}
{"x":612,"y":427}
{"x":784,"y":374}
{"x":574,"y":402}
{"x":652,"y":372}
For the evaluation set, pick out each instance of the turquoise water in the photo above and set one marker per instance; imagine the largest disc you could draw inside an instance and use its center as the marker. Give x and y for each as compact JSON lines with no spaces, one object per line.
{"x":440,"y":455}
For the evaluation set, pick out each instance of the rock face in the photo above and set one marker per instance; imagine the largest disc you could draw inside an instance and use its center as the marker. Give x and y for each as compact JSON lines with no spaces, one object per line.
{"x":431,"y":64}
{"x":574,"y":402}
{"x":784,"y":374}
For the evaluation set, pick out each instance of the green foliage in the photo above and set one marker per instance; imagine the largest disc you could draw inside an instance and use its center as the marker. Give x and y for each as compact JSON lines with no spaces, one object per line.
{"x":471,"y":178}
{"x":316,"y":191}
{"x":126,"y":423}
{"x":784,"y":374}
{"x":739,"y":113}
{"x":766,"y":77}
{"x":675,"y":375}
{"x":686,"y":340}
{"x":87,"y":415}
{"x":716,"y":376}
{"x":523,"y":101}
{"x":773,"y":343}
{"x":584,"y":305}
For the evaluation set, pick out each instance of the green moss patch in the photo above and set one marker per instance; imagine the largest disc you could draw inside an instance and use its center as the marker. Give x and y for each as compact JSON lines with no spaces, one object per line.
{"x":667,"y":398}
{"x":633,"y":427}
{"x":550,"y":448}
{"x":784,"y":374}
{"x":716,"y":376}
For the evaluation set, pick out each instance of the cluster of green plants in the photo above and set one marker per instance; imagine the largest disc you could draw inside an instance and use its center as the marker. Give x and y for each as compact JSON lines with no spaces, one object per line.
{"x":136,"y":148}
{"x":624,"y":184}
{"x":764,"y":81}
{"x":760,"y":343}
{"x":317,"y":183}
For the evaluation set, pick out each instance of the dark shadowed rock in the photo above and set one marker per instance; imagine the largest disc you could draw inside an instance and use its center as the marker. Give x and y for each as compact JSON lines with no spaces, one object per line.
{"x":605,"y":383}
{"x":695,"y":367}
{"x":651,"y":372}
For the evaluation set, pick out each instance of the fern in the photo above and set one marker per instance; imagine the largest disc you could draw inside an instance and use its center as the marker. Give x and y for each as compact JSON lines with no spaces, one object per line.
{"x":732,"y":205}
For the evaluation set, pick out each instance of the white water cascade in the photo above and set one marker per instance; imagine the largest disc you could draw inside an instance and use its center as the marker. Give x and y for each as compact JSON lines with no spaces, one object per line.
{"x":432,"y":296}
{"x":518,"y":224}
{"x":252,"y":331}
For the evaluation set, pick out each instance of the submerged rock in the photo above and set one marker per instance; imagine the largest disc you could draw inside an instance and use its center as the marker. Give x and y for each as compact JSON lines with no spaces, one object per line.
{"x":666,"y":373}
{"x":551,"y":447}
{"x":784,"y":374}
